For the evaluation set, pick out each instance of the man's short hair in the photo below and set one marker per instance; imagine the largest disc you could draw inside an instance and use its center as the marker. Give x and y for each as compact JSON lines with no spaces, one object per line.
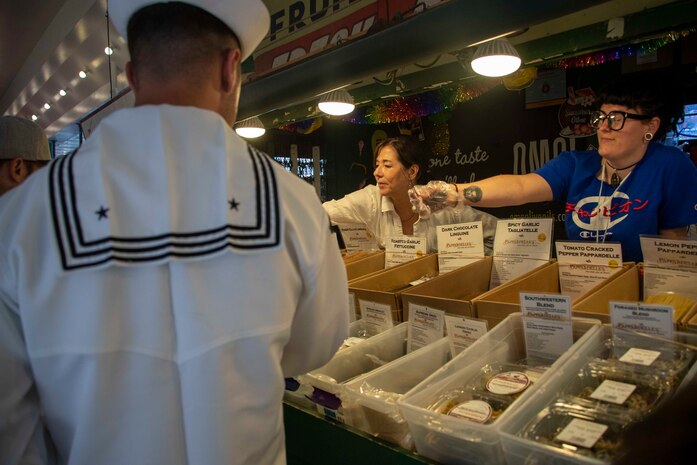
{"x":21,"y":138}
{"x":167,"y":39}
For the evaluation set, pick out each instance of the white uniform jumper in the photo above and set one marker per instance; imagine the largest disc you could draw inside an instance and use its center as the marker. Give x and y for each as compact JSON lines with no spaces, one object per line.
{"x":156,"y":287}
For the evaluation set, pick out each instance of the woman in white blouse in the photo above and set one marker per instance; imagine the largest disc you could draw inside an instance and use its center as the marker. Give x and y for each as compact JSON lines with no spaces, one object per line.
{"x":385,"y":209}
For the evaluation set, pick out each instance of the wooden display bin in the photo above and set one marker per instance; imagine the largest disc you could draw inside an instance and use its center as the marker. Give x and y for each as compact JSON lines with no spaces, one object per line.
{"x":386,"y":286}
{"x":451,"y":292}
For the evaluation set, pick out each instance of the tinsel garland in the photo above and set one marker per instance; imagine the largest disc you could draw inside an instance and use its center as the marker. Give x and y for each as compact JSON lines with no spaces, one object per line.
{"x":425,"y":104}
{"x":437,"y":101}
{"x":605,"y":56}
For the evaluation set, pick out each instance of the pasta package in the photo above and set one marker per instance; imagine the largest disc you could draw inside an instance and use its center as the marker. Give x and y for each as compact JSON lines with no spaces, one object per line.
{"x":680,"y":303}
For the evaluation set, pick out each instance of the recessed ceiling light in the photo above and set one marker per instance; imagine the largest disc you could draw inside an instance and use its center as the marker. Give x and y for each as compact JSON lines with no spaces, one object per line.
{"x":108,"y":50}
{"x":82,"y":74}
{"x":47,"y":105}
{"x":62,"y":93}
{"x":34,"y":117}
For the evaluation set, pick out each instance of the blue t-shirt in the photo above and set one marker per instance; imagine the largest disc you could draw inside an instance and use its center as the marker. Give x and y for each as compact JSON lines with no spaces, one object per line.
{"x":659,"y":193}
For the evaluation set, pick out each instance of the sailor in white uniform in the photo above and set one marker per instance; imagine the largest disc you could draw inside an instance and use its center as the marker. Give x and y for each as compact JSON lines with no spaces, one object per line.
{"x":157,"y":285}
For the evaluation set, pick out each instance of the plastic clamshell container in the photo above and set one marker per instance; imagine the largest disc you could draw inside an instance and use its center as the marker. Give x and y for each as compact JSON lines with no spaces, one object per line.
{"x":605,"y":386}
{"x":452,"y":440}
{"x":602,"y":344}
{"x":472,"y":404}
{"x":372,"y":396}
{"x":571,"y":428}
{"x":644,"y":354}
{"x":328,"y":381}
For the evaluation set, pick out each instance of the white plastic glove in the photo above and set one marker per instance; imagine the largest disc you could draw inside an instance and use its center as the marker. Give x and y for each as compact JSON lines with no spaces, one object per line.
{"x":434,"y":196}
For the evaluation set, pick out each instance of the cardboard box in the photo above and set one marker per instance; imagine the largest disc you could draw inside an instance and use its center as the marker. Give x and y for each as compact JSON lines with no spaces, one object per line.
{"x":364,"y":263}
{"x":451,"y":292}
{"x":499,"y":302}
{"x":385,"y":287}
{"x":622,"y":287}
{"x":691,"y":324}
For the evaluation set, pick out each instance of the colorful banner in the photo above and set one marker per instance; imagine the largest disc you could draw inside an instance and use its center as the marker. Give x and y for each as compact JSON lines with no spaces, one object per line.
{"x":305,"y":27}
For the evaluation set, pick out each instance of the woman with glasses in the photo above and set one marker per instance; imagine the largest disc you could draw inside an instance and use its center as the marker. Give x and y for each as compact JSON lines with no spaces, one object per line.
{"x":631,"y":185}
{"x":385,"y":209}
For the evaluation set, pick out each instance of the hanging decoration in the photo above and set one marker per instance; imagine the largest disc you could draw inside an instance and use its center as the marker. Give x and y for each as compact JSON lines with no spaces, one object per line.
{"x":307,"y":126}
{"x":605,"y":56}
{"x":424,"y":104}
{"x":439,"y":140}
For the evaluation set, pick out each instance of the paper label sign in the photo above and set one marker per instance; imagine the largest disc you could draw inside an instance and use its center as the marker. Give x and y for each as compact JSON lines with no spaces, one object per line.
{"x":377,"y":315}
{"x":546,"y":306}
{"x":655,"y":320}
{"x":640,"y":356}
{"x":547,"y":339}
{"x":577,"y":279}
{"x":669,"y":253}
{"x":401,"y":249}
{"x":613,"y":391}
{"x":357,"y":237}
{"x":477,"y":411}
{"x":459,"y":245}
{"x":508,"y":383}
{"x":504,"y":269}
{"x":425,"y":326}
{"x":589,"y":253}
{"x":352,"y":306}
{"x":661,"y":280}
{"x":582,"y":433}
{"x":525,"y":238}
{"x":462,"y":332}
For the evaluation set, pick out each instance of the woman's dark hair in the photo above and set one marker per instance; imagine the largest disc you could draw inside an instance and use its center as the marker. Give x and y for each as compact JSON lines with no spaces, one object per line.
{"x":410,"y":152}
{"x":650,"y":96}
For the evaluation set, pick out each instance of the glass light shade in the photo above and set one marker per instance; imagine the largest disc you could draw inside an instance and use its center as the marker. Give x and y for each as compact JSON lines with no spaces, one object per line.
{"x":496,"y":58}
{"x":337,"y":102}
{"x":250,"y":128}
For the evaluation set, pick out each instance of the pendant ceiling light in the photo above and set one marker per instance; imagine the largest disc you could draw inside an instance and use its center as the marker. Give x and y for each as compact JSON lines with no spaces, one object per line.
{"x":337,"y":102}
{"x":495,"y":58}
{"x":250,"y":128}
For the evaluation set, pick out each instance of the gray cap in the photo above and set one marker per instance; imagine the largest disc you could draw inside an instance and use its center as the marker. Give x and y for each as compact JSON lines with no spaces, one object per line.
{"x":21,"y":138}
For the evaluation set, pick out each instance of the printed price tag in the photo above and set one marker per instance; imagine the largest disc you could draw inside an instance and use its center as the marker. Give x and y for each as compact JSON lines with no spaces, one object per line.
{"x":582,"y":433}
{"x":640,"y":356}
{"x":613,"y":391}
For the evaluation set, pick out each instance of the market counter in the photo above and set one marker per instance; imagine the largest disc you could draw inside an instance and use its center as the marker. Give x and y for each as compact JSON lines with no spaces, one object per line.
{"x":313,"y":440}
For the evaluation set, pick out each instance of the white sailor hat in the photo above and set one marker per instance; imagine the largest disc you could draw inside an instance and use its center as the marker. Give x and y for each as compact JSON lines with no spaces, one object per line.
{"x":248,"y":19}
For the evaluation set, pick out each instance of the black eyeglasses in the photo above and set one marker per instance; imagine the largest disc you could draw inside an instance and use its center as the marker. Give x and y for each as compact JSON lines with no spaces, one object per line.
{"x":615,"y":119}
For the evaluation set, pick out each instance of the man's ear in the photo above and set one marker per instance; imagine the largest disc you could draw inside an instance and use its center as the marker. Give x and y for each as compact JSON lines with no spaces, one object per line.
{"x":230,"y":68}
{"x":130,"y":76}
{"x":18,"y":170}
